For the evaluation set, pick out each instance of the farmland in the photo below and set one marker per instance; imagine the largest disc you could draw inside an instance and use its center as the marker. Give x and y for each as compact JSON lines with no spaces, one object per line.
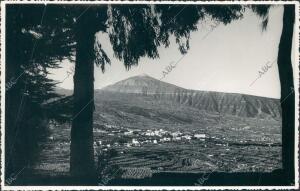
{"x":136,"y":137}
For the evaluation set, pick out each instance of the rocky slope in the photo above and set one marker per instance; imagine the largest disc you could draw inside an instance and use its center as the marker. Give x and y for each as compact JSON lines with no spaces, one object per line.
{"x":227,"y":103}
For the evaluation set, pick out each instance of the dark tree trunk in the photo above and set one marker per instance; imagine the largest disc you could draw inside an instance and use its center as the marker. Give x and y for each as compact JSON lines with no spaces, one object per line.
{"x":287,"y":90}
{"x":82,"y":151}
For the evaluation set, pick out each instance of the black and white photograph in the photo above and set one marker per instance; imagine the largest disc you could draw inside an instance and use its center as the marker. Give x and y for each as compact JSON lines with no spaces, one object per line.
{"x":160,"y":95}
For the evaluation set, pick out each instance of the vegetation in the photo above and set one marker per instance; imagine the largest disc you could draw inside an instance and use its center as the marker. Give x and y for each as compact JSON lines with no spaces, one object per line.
{"x":69,"y":31}
{"x":31,"y":49}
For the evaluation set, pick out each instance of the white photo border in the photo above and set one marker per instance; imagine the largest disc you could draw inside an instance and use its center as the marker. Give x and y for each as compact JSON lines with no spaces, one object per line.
{"x":296,"y":84}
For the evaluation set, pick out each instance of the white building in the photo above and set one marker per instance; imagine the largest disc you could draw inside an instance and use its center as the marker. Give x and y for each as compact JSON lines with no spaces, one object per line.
{"x":167,"y":139}
{"x":128,"y":133}
{"x":200,"y":136}
{"x":134,"y":141}
{"x":187,"y":137}
{"x":149,"y":133}
{"x":177,"y":133}
{"x":128,"y":145}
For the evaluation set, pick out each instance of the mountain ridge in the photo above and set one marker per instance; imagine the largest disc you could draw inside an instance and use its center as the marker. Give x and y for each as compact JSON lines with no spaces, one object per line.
{"x":232,"y":103}
{"x":107,"y":88}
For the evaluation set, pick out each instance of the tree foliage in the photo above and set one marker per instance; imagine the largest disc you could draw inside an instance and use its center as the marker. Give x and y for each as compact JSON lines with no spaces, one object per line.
{"x":35,"y":42}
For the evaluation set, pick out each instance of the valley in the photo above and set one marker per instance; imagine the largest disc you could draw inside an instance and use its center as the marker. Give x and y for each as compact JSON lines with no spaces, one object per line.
{"x":141,"y":131}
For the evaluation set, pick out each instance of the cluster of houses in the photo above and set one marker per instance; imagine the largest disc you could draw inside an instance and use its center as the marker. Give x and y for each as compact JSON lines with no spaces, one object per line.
{"x":138,"y":137}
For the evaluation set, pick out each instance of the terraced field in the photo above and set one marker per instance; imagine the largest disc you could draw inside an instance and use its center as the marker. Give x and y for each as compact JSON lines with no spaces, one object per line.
{"x":232,"y":144}
{"x":197,"y":157}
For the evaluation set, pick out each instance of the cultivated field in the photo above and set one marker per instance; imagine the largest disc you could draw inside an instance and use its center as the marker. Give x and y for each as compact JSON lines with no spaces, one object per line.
{"x":136,"y":137}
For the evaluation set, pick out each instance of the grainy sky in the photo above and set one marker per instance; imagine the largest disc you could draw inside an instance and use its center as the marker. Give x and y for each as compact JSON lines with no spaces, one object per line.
{"x":227,"y":59}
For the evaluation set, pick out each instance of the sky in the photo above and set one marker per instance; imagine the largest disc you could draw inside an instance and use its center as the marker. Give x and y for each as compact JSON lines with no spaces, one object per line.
{"x":222,"y":58}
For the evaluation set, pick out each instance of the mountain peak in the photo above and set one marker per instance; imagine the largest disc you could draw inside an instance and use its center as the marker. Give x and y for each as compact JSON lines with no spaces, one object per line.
{"x":140,"y":84}
{"x":144,"y":75}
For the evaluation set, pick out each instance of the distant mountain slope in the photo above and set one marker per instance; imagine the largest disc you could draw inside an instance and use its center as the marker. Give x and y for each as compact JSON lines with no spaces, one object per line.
{"x":227,"y":103}
{"x":62,"y":91}
{"x":230,"y":103}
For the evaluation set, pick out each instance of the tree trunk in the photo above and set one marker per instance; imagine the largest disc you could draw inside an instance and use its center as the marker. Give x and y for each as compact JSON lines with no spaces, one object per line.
{"x":287,"y":91}
{"x":82,"y":151}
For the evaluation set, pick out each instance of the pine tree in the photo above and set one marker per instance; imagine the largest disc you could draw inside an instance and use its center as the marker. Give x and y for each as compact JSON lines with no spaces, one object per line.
{"x":34,"y":42}
{"x":287,"y":99}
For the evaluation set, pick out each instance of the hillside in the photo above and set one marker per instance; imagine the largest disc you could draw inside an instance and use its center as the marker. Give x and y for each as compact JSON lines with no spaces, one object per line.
{"x":242,"y":132}
{"x":64,"y":92}
{"x":216,"y":102}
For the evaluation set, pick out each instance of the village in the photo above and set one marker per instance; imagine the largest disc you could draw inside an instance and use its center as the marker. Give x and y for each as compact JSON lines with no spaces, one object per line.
{"x":114,"y":136}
